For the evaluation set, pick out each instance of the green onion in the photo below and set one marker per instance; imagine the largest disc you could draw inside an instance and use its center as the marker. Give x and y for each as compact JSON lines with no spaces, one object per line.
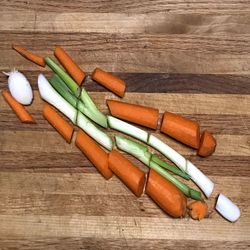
{"x":49,"y":94}
{"x":87,"y":106}
{"x":169,"y":167}
{"x":189,"y":192}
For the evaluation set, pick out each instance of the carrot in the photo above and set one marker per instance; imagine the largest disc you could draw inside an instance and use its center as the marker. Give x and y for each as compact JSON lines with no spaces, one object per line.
{"x":94,"y":153}
{"x":131,"y":176}
{"x":198,"y":210}
{"x":207,"y":144}
{"x":181,"y":129}
{"x":29,"y":55}
{"x":138,"y":114}
{"x":109,"y":81}
{"x":63,"y":127}
{"x":166,"y":195}
{"x":18,"y":108}
{"x":71,"y":67}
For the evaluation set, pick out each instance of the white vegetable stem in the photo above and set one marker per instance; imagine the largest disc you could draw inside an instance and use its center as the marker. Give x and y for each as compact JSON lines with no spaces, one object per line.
{"x":127,"y":128}
{"x":49,"y":94}
{"x":227,"y":208}
{"x":19,"y":87}
{"x":205,"y":184}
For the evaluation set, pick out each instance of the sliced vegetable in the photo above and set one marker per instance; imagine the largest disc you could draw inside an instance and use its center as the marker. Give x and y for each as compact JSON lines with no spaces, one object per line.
{"x":63,"y":127}
{"x":130,"y":175}
{"x":205,"y":184}
{"x":127,"y":128}
{"x":49,"y":94}
{"x":145,"y":116}
{"x":18,"y":108}
{"x":109,"y":81}
{"x":141,"y":152}
{"x":198,"y":210}
{"x":19,"y":87}
{"x":66,"y":93}
{"x":71,"y":67}
{"x":207,"y":144}
{"x":189,"y":192}
{"x":97,"y":156}
{"x":166,"y":195}
{"x":181,"y":129}
{"x":93,"y":112}
{"x":227,"y":208}
{"x":29,"y":55}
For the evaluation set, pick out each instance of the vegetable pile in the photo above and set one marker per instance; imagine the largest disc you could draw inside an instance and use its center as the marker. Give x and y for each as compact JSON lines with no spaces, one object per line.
{"x":63,"y":91}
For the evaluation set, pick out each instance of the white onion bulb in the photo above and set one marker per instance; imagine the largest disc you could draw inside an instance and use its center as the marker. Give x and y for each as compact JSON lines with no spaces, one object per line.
{"x":227,"y":208}
{"x":19,"y":87}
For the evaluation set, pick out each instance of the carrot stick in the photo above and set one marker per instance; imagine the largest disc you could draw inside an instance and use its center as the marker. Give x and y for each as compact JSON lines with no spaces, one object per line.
{"x":131,"y":176}
{"x":94,"y":153}
{"x":18,"y":108}
{"x":71,"y":67}
{"x":166,"y":195}
{"x":198,"y":210}
{"x":63,"y":127}
{"x":29,"y":55}
{"x":207,"y":144}
{"x":181,"y":129}
{"x":138,"y":114}
{"x":109,"y":81}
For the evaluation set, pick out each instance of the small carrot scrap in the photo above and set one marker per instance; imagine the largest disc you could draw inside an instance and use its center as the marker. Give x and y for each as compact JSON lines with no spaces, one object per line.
{"x":18,"y":108}
{"x":131,"y":176}
{"x":63,"y":127}
{"x":109,"y":81}
{"x":71,"y":67}
{"x":145,"y":116}
{"x":166,"y":195}
{"x":207,"y":144}
{"x":29,"y":55}
{"x":181,"y":129}
{"x":198,"y":210}
{"x":94,"y":153}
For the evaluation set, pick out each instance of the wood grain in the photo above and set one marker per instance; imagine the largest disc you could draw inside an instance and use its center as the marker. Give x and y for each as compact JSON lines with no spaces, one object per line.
{"x":188,"y":57}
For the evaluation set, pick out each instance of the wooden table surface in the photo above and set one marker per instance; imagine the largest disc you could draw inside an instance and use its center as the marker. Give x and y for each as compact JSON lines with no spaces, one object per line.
{"x":188,"y":57}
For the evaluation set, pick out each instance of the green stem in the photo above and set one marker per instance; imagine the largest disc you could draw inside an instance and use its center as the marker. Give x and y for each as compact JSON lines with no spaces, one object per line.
{"x":138,"y":150}
{"x":189,"y":192}
{"x":171,"y":168}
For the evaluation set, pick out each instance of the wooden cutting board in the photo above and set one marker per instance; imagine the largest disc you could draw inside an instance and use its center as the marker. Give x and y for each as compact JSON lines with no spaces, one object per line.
{"x":188,"y":57}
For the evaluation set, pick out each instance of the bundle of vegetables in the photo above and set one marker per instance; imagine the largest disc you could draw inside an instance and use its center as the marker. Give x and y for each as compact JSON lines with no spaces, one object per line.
{"x":64,"y":93}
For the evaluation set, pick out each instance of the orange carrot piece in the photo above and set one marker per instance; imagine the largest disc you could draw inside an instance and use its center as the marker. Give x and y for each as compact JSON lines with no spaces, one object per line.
{"x":94,"y":153}
{"x":145,"y":116}
{"x":18,"y":108}
{"x":109,"y":81}
{"x":207,"y":144}
{"x":168,"y":197}
{"x":131,"y":176}
{"x":29,"y":55}
{"x":63,"y":127}
{"x":71,"y":67}
{"x":198,"y":210}
{"x":181,"y":129}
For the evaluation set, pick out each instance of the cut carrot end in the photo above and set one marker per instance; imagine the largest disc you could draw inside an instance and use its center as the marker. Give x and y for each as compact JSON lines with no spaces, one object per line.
{"x":63,"y":127}
{"x":181,"y":129}
{"x":167,"y":196}
{"x":18,"y":108}
{"x":69,"y":64}
{"x":207,"y":144}
{"x":97,"y":156}
{"x":129,"y":174}
{"x":144,"y":116}
{"x":29,"y":55}
{"x":198,"y":210}
{"x":109,"y":81}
